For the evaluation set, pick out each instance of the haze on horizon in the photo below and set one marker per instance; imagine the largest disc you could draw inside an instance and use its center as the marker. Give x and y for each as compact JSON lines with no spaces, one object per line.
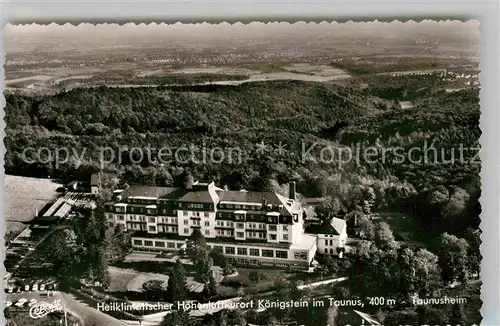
{"x":462,"y":38}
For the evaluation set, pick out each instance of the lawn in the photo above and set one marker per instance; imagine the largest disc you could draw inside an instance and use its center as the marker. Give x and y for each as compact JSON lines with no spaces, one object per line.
{"x":230,"y":284}
{"x":120,"y":279}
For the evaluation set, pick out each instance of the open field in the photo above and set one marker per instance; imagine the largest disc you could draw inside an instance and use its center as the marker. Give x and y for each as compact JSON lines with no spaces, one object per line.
{"x":24,"y":196}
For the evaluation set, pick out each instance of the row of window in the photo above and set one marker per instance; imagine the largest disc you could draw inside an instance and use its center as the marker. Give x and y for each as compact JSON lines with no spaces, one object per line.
{"x":192,"y":205}
{"x":209,"y":206}
{"x":251,"y":217}
{"x":187,"y":231}
{"x":240,"y":260}
{"x":255,"y":207}
{"x":197,"y":214}
{"x":139,"y":218}
{"x":139,"y":210}
{"x":197,"y":223}
{"x":158,"y":244}
{"x":226,"y":223}
{"x":147,"y":201}
{"x":228,"y":250}
{"x":218,"y":232}
{"x":196,"y":205}
{"x":254,"y":226}
{"x":240,"y":251}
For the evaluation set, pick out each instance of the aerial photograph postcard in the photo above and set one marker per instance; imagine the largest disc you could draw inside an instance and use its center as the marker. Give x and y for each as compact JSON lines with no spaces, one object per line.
{"x":243,"y":174}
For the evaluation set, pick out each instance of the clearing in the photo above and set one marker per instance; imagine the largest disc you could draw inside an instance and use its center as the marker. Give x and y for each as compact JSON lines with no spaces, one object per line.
{"x":24,"y":196}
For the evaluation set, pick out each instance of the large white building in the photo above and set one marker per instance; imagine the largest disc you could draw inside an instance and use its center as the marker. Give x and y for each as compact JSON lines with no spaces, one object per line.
{"x":249,"y":227}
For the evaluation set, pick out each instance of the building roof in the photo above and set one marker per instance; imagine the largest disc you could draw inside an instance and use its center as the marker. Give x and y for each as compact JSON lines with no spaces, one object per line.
{"x":64,"y":210}
{"x":55,"y":206}
{"x":202,"y":193}
{"x":209,"y":193}
{"x":306,"y":242}
{"x":257,"y":197}
{"x":248,"y":197}
{"x":149,"y":192}
{"x":335,"y":227}
{"x":198,"y":197}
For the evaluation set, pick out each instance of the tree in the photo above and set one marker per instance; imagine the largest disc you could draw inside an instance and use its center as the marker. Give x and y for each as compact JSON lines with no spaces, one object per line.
{"x":366,"y":227}
{"x":401,"y":318}
{"x":6,"y":313}
{"x":205,"y":268}
{"x":384,"y":238}
{"x":368,"y":200}
{"x":457,"y":315}
{"x":178,"y":318}
{"x":212,"y":286}
{"x":227,"y":317}
{"x":416,"y":273}
{"x":155,"y":288}
{"x":199,"y":253}
{"x":426,"y":315}
{"x":101,"y":273}
{"x":176,"y":282}
{"x":256,"y":276}
{"x":327,"y":209}
{"x":474,"y":254}
{"x":185,"y":180}
{"x":453,"y":257}
{"x":287,"y":291}
{"x":119,"y":244}
{"x":428,"y":280}
{"x":196,"y":246}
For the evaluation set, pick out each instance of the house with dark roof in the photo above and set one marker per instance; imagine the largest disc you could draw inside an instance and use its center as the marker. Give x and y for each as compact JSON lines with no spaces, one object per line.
{"x":331,"y":237}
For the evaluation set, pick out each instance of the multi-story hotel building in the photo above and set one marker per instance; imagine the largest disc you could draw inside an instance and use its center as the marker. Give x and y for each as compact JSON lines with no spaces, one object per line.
{"x":249,"y":227}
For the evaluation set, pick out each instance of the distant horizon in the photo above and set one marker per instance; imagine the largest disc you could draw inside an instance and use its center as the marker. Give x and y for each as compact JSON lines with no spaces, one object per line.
{"x":68,"y":37}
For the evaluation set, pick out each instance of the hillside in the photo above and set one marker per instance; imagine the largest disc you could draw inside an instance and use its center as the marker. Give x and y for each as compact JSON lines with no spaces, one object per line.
{"x":299,"y":115}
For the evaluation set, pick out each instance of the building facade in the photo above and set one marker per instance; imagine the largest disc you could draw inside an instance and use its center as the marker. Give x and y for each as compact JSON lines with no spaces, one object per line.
{"x":331,"y":239}
{"x":260,"y":228}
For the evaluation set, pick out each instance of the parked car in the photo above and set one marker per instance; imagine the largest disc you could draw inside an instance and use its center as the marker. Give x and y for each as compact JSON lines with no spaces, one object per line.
{"x":26,"y":287}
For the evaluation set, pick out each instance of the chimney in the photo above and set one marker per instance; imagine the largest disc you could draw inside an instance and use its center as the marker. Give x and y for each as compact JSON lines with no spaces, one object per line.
{"x":292,"y":191}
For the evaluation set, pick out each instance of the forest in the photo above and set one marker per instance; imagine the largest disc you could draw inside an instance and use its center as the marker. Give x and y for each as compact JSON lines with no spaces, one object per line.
{"x":440,"y":195}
